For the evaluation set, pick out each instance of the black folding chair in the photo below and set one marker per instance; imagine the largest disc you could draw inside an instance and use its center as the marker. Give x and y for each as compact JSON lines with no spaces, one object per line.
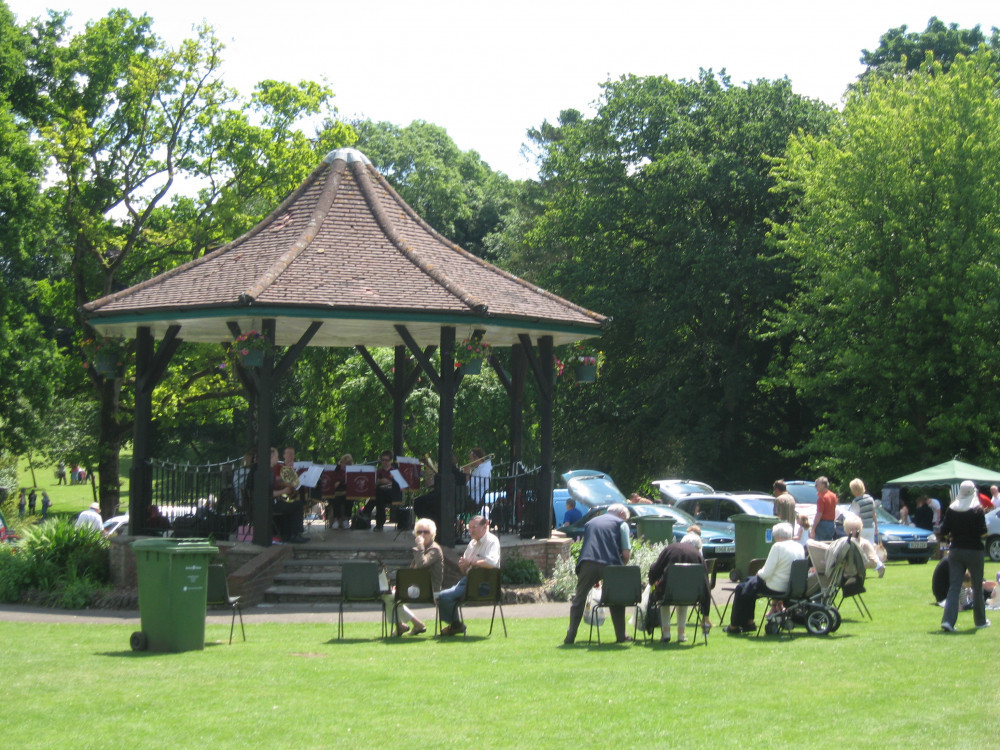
{"x":406,"y":580}
{"x":621,"y":586}
{"x":483,"y":587}
{"x":218,"y":593}
{"x":359,"y":582}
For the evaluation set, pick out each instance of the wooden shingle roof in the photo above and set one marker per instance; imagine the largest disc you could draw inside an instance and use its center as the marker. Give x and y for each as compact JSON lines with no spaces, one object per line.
{"x":346,"y":250}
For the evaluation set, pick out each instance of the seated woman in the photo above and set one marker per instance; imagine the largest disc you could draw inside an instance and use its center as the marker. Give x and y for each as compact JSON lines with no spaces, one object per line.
{"x":688,"y":550}
{"x":426,"y":554}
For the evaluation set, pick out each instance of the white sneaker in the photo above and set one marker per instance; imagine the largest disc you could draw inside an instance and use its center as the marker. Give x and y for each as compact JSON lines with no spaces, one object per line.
{"x":949,"y":627}
{"x":984,"y":625}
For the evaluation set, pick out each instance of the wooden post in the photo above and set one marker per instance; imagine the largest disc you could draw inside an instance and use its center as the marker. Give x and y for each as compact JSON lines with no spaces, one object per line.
{"x":446,"y":434}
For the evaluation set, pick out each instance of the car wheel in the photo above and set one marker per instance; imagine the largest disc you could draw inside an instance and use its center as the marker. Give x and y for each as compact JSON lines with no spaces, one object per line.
{"x":993,"y":548}
{"x":138,"y":641}
{"x":818,"y":621}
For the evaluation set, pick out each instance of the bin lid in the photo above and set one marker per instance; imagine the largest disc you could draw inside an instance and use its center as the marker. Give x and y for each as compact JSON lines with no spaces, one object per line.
{"x":153,"y":544}
{"x":174,"y":546}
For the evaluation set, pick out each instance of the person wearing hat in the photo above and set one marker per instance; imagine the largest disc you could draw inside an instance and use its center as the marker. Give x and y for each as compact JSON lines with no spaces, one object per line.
{"x":91,"y":517}
{"x":965,"y":524}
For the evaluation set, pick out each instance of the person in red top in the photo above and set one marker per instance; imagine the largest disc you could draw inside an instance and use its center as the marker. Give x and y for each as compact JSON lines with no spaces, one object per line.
{"x":826,"y":511}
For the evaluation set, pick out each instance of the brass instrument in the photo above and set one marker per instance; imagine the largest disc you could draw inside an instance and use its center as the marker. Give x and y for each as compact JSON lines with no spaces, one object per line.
{"x":291,"y":478}
{"x":476,"y":461}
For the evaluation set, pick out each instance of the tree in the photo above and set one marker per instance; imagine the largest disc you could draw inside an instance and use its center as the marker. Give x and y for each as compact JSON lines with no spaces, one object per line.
{"x":899,"y":52}
{"x":894,"y":237}
{"x":454,"y":191}
{"x":655,"y":212}
{"x":153,"y":161}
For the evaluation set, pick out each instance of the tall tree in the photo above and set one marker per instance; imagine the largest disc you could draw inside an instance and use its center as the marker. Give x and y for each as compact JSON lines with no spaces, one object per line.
{"x":655,"y":212}
{"x":153,"y":161}
{"x":894,"y":236}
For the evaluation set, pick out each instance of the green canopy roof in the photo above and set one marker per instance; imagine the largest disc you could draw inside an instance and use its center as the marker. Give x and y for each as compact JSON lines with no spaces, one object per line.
{"x":951,"y":473}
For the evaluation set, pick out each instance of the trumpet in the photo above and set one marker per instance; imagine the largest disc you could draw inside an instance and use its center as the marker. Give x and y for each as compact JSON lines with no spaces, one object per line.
{"x":476,"y":461}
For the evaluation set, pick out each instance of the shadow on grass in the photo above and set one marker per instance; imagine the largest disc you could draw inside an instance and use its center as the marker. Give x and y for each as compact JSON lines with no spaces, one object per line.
{"x":129,"y":653}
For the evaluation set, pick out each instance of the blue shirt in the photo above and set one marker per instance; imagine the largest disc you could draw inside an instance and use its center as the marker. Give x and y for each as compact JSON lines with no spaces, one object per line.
{"x":572,"y":515}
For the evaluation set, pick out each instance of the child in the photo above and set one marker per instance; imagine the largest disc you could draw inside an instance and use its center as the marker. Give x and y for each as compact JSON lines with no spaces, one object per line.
{"x":802,"y":530}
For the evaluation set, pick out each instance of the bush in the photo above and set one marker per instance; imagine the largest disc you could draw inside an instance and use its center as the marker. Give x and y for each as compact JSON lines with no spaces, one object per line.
{"x":55,"y":564}
{"x":520,"y":570}
{"x":562,"y":585}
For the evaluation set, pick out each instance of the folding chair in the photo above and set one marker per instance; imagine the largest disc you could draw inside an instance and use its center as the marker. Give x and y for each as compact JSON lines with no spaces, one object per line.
{"x":483,"y":587}
{"x":710,"y":563}
{"x":621,"y":586}
{"x":359,"y":583}
{"x":407,"y":578}
{"x":218,"y":593}
{"x":753,"y":567}
{"x":684,"y":586}
{"x":852,"y":588}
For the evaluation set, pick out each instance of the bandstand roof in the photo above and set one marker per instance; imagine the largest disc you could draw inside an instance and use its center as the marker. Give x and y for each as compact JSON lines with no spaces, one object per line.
{"x":346,"y":250}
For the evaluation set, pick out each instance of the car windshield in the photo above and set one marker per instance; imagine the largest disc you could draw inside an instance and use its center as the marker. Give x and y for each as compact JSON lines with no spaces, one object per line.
{"x":680,"y":515}
{"x":885,"y":516}
{"x":760,"y":507}
{"x":647,"y":510}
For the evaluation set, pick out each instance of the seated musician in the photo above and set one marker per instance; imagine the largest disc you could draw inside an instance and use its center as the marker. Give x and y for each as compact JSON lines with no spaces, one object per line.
{"x":288,"y":509}
{"x":338,"y":515}
{"x":384,"y":484}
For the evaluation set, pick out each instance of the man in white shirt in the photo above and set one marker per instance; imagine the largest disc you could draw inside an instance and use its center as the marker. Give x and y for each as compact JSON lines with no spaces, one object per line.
{"x":772,"y":580}
{"x":483,"y":552}
{"x":91,"y":517}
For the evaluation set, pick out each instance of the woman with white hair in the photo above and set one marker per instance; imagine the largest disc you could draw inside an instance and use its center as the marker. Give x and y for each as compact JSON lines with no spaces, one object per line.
{"x":965,"y":523}
{"x":772,"y":580}
{"x":865,"y":507}
{"x":687,"y":550}
{"x":426,"y":554}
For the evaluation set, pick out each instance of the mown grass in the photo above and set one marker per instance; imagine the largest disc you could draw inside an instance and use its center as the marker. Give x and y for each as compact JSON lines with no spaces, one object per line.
{"x":67,"y":499}
{"x":897,"y":682}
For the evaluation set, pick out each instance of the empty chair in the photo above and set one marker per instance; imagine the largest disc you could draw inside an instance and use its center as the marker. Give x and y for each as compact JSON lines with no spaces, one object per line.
{"x":359,"y":582}
{"x":621,"y":586}
{"x":685,"y":587}
{"x":218,"y":593}
{"x":483,"y":587}
{"x":406,"y":580}
{"x":852,"y":587}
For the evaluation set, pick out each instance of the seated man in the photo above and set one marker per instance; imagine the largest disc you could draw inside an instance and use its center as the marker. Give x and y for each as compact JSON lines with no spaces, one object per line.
{"x":572,"y":514}
{"x":483,"y":552}
{"x":772,"y":580}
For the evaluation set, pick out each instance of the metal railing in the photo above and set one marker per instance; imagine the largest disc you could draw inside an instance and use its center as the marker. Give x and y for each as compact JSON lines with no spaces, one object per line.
{"x":197,"y":499}
{"x":508,"y":498}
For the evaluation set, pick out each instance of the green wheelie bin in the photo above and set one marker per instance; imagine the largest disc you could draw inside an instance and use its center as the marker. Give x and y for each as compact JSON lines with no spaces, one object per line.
{"x":655,"y":529}
{"x":753,"y":539}
{"x":173,"y":585}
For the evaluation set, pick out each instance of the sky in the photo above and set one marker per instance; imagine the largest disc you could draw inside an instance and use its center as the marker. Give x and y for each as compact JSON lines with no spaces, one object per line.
{"x":487,"y":72}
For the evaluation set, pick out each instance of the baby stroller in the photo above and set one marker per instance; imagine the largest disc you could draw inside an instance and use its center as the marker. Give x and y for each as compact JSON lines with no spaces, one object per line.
{"x":839,"y":565}
{"x":804,"y":605}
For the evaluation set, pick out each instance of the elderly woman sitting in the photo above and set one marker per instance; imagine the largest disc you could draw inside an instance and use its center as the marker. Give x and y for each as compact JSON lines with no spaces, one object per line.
{"x":772,"y":580}
{"x":687,"y":550}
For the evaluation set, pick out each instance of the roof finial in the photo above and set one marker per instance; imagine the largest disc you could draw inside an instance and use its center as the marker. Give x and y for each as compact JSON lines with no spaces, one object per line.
{"x":349,"y":155}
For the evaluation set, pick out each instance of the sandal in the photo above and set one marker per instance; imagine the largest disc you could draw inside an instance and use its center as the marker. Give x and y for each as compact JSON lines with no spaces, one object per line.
{"x":401,"y":629}
{"x":418,"y":629}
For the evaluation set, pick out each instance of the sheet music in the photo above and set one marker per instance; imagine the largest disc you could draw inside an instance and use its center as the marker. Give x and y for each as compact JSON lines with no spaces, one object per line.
{"x":399,"y":479}
{"x":310,"y":478}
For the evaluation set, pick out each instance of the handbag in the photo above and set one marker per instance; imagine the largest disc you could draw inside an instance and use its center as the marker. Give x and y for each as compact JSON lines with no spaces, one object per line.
{"x":593,"y":614}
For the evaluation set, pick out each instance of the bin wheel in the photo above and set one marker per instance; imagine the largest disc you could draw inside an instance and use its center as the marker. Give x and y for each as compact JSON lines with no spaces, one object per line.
{"x":138,"y":641}
{"x":818,"y":621}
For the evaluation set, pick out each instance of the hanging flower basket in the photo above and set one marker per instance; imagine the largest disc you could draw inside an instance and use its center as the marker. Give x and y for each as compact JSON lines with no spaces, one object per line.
{"x":109,"y":365}
{"x":106,"y":355}
{"x":253,"y":358}
{"x":472,"y":367}
{"x":586,"y":373}
{"x":469,"y":356}
{"x":584,"y":359}
{"x":249,"y":348}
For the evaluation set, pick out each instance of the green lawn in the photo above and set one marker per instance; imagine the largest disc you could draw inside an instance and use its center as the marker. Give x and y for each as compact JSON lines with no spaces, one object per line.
{"x":69,"y":499}
{"x":898,"y":682}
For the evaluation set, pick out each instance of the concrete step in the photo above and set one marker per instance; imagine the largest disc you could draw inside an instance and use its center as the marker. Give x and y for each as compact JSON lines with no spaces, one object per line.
{"x":279,"y":594}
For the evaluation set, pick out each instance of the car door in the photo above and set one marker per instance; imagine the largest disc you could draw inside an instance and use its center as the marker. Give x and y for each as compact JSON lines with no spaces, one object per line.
{"x":702,"y":508}
{"x":727,"y":509}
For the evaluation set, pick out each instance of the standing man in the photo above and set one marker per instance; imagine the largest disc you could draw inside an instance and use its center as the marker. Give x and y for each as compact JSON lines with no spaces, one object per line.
{"x":91,"y":517}
{"x":605,"y":542}
{"x":483,"y":552}
{"x":61,"y":473}
{"x":826,"y":511}
{"x":784,"y":503}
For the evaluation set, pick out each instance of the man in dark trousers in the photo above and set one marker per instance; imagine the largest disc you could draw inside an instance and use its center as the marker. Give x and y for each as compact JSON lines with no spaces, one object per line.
{"x":605,"y":542}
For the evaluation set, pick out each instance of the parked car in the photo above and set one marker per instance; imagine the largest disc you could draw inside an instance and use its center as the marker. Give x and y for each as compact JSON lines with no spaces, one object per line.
{"x":116,"y":525}
{"x":993,"y":535}
{"x":902,"y":542}
{"x":722,"y":506}
{"x":673,"y":490}
{"x":716,"y":540}
{"x":803,"y":490}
